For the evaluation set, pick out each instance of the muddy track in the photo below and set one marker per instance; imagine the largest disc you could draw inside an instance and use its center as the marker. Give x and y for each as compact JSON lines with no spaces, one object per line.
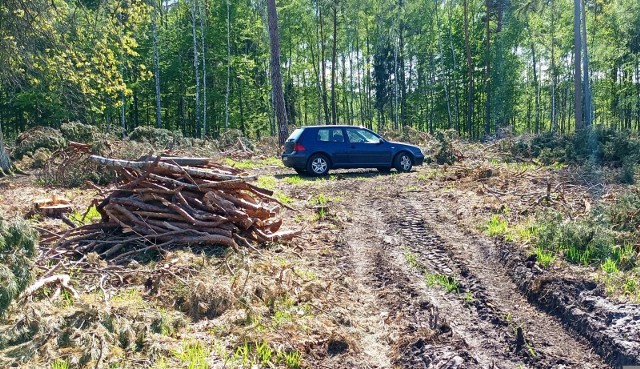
{"x":405,"y":254}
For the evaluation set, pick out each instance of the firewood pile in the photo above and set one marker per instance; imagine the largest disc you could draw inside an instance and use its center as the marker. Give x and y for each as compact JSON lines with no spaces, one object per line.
{"x":165,"y":202}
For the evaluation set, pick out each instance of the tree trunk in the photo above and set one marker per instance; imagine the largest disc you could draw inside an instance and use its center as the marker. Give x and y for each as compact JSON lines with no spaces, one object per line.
{"x":469,"y":68}
{"x":334,"y":103}
{"x":196,"y":63}
{"x":453,"y":71}
{"x":226,"y":96}
{"x":536,"y":86}
{"x":577,"y":83}
{"x":204,"y":69}
{"x":156,"y":69}
{"x":588,"y":108}
{"x":5,"y":161}
{"x":276,"y":76}
{"x":122,"y":96}
{"x":554,"y":77}
{"x":316,"y":72}
{"x":323,"y":73}
{"x":441,"y":55}
{"x":487,"y":75}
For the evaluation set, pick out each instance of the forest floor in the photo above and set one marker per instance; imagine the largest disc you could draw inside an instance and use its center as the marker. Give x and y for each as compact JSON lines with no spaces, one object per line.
{"x":390,"y":271}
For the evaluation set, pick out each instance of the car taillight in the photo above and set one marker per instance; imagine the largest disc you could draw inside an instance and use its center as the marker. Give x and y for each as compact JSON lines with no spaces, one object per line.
{"x":298,"y":147}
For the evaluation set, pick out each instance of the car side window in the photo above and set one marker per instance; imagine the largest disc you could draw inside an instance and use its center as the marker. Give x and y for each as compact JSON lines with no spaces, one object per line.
{"x":361,"y":136}
{"x":330,"y":135}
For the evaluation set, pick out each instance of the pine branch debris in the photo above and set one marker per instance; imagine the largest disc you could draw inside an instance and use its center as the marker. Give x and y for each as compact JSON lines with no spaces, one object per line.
{"x":165,"y":202}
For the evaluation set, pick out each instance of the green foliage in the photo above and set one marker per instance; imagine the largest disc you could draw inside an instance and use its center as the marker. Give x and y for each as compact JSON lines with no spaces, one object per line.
{"x":18,"y":243}
{"x":158,"y":137}
{"x":41,"y":157}
{"x":596,"y":144}
{"x":605,"y":237}
{"x":78,"y":132}
{"x":90,"y":216}
{"x":446,"y":153}
{"x":40,"y":137}
{"x":623,"y":213}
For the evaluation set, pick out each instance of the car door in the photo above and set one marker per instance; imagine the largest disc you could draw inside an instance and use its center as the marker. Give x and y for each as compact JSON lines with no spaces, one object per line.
{"x":331,"y":141}
{"x":366,"y":149}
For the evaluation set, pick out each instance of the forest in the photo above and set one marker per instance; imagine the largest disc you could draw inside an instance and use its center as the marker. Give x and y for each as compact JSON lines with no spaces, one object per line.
{"x":202,"y":66}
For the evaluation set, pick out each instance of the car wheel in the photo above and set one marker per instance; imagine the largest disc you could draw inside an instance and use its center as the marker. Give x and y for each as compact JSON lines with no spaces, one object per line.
{"x":403,"y":162}
{"x":318,"y":165}
{"x":384,"y":170}
{"x":302,"y":172}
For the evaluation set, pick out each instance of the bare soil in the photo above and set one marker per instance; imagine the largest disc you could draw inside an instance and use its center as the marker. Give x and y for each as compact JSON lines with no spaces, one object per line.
{"x":379,"y":245}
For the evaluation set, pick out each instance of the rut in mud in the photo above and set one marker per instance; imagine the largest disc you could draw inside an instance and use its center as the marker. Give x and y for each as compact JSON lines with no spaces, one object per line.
{"x":445,"y":296}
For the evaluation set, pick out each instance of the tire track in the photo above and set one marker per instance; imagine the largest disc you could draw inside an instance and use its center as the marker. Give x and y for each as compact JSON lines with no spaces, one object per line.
{"x":528,"y":333}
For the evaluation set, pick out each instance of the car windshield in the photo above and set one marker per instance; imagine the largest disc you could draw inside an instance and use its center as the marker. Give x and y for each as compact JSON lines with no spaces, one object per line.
{"x":357,"y":135}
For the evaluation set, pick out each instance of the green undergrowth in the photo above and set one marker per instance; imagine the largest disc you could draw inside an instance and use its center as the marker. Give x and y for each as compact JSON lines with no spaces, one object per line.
{"x":605,"y":239}
{"x":596,"y":145}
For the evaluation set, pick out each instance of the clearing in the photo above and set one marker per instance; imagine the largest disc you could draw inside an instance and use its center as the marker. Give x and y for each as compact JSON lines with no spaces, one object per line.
{"x":389,"y":271}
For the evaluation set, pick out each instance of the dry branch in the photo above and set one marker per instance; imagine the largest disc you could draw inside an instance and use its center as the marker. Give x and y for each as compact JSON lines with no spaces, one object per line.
{"x":168,"y":202}
{"x":61,"y":279}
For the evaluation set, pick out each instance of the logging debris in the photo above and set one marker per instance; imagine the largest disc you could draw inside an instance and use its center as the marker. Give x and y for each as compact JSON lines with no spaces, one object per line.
{"x":165,"y":202}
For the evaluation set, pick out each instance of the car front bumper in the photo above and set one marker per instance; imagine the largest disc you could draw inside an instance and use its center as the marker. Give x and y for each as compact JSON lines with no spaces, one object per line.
{"x":418,"y":160}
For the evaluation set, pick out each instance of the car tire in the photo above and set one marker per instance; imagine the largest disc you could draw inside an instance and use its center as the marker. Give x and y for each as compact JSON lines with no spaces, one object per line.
{"x":403,"y":162}
{"x":302,"y":172}
{"x":318,"y":165}
{"x":384,"y":170}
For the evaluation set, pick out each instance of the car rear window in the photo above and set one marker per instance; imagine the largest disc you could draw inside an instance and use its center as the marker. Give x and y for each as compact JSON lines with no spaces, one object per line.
{"x":295,"y":135}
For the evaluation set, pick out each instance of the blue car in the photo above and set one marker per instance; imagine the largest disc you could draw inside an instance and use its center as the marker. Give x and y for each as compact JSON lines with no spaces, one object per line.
{"x":313,"y":150}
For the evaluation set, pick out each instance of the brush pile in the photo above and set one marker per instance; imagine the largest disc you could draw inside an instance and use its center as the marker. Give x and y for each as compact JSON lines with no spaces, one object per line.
{"x":166,"y":202}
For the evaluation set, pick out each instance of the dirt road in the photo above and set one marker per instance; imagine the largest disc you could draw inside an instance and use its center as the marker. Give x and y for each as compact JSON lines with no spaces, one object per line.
{"x":433,"y":295}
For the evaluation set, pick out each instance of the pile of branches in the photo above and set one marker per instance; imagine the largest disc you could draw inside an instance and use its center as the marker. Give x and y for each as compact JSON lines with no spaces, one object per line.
{"x":166,"y":202}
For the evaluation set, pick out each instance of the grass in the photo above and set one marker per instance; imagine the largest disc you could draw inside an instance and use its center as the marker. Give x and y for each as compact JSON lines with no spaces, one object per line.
{"x":259,"y":354}
{"x":193,"y":355}
{"x":295,"y":180}
{"x":496,"y":226}
{"x":609,"y":266}
{"x":544,"y":258}
{"x":267,"y":182}
{"x":91,"y":215}
{"x":286,"y":200}
{"x":254,"y":163}
{"x":450,"y":284}
{"x":60,"y":364}
{"x":428,"y":175}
